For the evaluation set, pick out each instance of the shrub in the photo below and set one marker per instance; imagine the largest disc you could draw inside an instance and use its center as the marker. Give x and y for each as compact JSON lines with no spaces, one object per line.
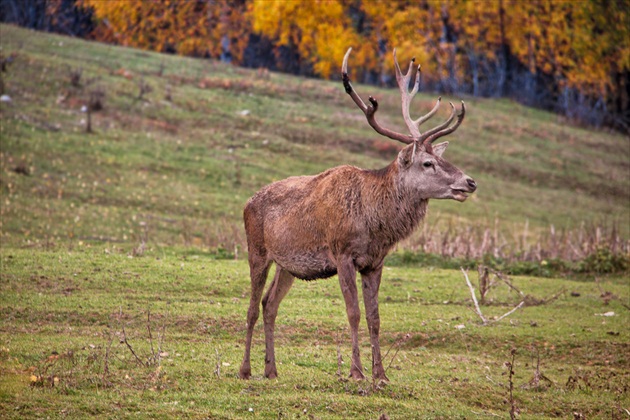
{"x":603,"y":260}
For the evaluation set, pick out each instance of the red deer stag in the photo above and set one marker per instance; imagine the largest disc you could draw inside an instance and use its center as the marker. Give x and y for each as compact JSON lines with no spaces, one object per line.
{"x":346,"y":220}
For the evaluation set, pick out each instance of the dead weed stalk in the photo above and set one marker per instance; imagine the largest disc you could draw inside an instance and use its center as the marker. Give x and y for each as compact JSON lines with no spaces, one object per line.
{"x":155,"y":356}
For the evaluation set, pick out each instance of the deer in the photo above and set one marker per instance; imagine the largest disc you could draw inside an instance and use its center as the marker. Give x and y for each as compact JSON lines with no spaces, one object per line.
{"x":345,"y":221}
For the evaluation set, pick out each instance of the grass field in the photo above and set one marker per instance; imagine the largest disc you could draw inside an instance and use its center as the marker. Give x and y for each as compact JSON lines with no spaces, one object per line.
{"x":179,"y":171}
{"x":66,"y":316}
{"x":123,"y":287}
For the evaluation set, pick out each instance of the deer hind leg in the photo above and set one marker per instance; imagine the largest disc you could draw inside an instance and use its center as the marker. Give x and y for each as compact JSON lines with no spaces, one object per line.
{"x":348,"y":283}
{"x":279,"y":288}
{"x":371,"y":281}
{"x":259,"y":268}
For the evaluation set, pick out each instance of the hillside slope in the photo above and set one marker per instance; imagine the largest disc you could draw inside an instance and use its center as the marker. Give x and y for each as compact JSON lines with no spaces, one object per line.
{"x":176,"y":163}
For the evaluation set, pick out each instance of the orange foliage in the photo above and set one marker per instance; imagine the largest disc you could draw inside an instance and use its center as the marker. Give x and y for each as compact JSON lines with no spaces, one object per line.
{"x":581,"y":45}
{"x":195,"y":28}
{"x":320,"y":30}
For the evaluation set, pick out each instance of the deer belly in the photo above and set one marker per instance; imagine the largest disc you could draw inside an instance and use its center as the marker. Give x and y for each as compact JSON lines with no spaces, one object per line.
{"x":308,"y":266}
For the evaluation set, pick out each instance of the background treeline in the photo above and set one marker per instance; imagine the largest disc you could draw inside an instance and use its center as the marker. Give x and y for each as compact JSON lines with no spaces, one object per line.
{"x":570,"y":57}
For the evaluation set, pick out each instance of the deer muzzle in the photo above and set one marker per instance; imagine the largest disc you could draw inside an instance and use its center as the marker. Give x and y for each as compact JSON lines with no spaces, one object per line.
{"x":460,"y":192}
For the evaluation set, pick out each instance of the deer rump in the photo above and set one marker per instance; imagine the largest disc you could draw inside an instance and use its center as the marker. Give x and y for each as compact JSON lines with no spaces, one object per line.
{"x":302,"y":223}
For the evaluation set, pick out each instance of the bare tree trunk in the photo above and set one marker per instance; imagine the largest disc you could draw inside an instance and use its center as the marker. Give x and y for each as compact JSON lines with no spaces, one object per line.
{"x":449,"y":40}
{"x":474,"y":68}
{"x":504,"y":65}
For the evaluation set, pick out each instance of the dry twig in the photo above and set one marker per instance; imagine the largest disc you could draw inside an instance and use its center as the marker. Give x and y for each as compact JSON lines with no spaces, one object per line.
{"x":398,"y":344}
{"x":507,"y":281}
{"x":535,"y":382}
{"x":126,"y":341}
{"x":510,"y":366}
{"x":474,"y":298}
{"x":339,"y":360}
{"x":485,"y":320}
{"x":217,"y":369}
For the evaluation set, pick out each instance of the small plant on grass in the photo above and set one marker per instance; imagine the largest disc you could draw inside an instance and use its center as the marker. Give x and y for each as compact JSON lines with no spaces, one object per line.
{"x":168,"y":93}
{"x":510,"y":366}
{"x":75,"y":77}
{"x":95,"y":104}
{"x":143,"y":89}
{"x":539,"y":381}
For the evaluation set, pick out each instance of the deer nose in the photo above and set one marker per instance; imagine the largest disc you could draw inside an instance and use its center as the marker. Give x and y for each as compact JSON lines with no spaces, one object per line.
{"x":472,"y":184}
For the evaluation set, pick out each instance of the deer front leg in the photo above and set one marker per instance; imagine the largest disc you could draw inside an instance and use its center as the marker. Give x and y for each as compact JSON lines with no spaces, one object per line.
{"x":282,"y":282}
{"x":348,"y":283}
{"x":259,"y":268}
{"x":371,"y":281}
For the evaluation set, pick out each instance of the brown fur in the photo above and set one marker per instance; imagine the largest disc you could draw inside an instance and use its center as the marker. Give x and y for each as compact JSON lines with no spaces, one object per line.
{"x":342,"y":221}
{"x":308,"y":221}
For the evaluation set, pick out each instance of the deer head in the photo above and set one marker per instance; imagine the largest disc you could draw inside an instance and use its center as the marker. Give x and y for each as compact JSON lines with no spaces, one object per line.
{"x":421,"y":166}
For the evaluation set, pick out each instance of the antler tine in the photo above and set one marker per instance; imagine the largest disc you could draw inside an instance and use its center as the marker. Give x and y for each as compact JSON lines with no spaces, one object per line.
{"x":405,"y":95}
{"x":422,"y":119}
{"x":369,"y":110}
{"x":416,"y":84}
{"x":346,"y":83}
{"x":437,"y":128}
{"x":449,"y":130}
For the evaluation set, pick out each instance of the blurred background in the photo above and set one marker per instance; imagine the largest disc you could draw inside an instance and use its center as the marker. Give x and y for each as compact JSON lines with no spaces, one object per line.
{"x":569,"y":57}
{"x":157,"y":134}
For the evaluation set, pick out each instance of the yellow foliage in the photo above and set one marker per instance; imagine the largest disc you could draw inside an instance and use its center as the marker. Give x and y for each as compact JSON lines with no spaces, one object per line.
{"x":319,"y":30}
{"x":579,"y":44}
{"x":189,"y":27}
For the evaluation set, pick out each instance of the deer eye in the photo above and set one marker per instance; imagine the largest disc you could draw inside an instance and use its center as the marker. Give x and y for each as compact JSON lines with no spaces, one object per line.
{"x":427,"y":164}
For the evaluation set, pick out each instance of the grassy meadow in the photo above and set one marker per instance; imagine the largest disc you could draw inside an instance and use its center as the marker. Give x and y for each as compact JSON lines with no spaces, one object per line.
{"x":123,"y":282}
{"x":68,"y":318}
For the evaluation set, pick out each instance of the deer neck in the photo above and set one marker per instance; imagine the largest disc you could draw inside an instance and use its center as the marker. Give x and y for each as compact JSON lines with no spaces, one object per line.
{"x":398,"y":210}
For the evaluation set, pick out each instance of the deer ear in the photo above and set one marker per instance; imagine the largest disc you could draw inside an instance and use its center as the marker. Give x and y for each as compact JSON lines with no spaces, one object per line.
{"x":405,"y":156}
{"x":438,"y":149}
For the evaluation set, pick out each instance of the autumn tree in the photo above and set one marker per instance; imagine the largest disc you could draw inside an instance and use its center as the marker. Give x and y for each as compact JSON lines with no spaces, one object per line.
{"x":197,"y":28}
{"x":568,"y":56}
{"x":600,"y":68}
{"x":581,"y":49}
{"x":63,"y":16}
{"x":571,"y":57}
{"x":480,"y":35}
{"x":319,"y":31}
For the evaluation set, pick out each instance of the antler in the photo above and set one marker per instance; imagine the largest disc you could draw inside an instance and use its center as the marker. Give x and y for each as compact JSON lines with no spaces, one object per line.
{"x":369,"y":110}
{"x":433,"y":134}
{"x":406,"y":96}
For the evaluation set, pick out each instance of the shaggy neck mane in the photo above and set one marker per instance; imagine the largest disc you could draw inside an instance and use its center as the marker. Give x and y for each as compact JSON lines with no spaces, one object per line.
{"x":394,"y":210}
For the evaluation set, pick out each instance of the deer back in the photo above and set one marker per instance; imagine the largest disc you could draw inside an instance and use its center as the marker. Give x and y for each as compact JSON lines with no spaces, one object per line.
{"x":308,"y":221}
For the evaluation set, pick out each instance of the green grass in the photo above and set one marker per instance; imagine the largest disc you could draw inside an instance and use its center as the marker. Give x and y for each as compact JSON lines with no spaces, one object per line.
{"x":179,"y":172}
{"x":175,"y":175}
{"x":73,"y":305}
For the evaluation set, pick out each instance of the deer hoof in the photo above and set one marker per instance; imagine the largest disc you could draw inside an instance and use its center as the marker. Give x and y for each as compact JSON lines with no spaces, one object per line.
{"x":271,"y":373}
{"x":357,"y":375}
{"x":380,"y":379}
{"x":378,"y":375}
{"x":245,"y":373}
